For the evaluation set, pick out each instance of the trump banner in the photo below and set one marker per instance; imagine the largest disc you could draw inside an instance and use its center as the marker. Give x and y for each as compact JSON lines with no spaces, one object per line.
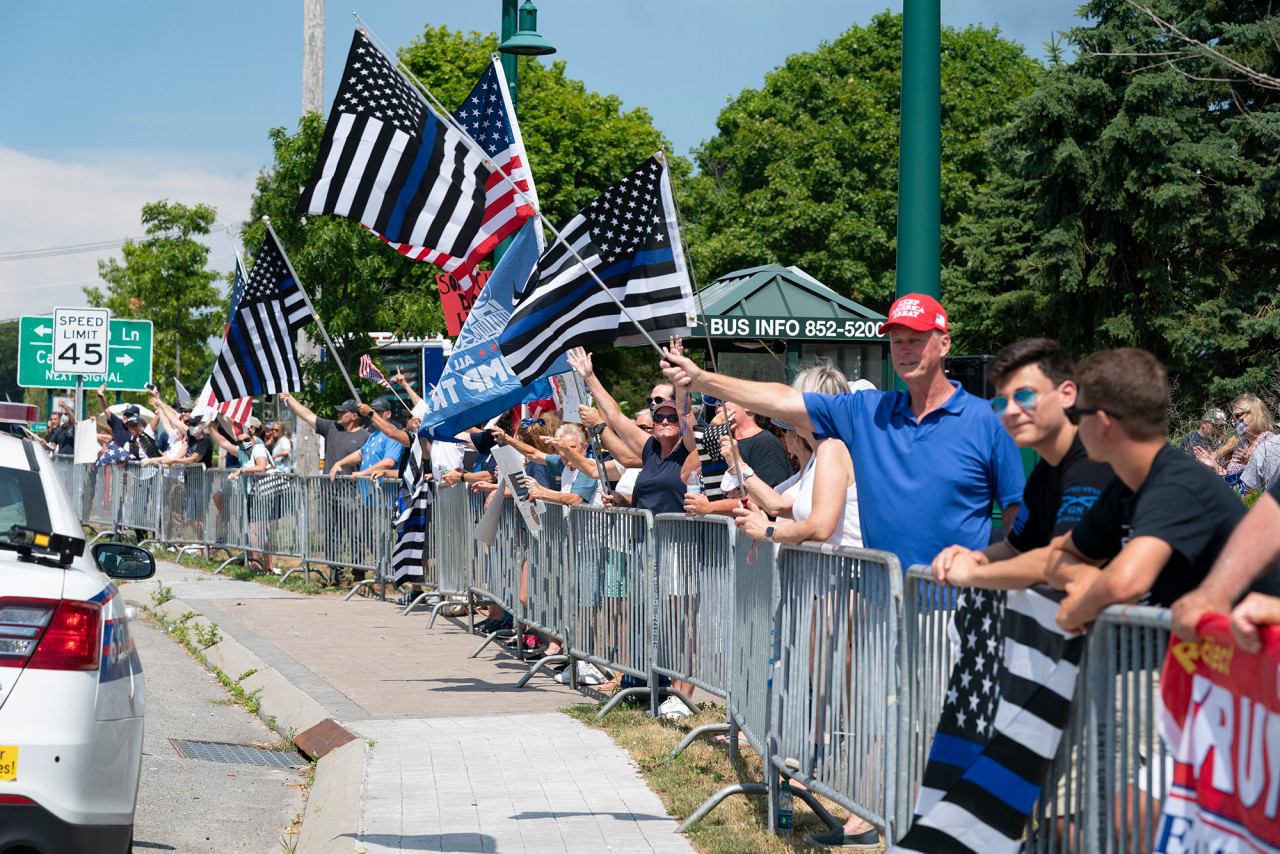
{"x":1221,"y":719}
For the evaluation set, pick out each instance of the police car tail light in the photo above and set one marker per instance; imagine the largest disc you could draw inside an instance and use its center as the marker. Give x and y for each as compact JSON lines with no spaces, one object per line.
{"x":21,"y":623}
{"x":73,"y":640}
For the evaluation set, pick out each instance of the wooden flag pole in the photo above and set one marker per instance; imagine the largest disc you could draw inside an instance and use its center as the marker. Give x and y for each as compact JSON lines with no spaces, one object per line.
{"x":448,"y":116}
{"x":314,"y":313}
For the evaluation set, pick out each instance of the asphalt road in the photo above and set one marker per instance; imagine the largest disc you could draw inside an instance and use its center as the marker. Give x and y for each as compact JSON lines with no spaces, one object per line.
{"x":189,"y":805}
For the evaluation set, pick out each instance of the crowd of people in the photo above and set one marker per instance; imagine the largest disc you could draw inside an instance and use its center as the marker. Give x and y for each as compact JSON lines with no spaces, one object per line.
{"x":1111,"y":513}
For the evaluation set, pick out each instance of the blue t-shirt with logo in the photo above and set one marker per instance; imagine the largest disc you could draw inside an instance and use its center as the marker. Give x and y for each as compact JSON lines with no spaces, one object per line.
{"x":922,"y":485}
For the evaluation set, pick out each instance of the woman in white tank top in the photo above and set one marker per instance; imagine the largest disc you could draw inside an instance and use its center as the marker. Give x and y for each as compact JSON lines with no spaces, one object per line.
{"x":822,"y":505}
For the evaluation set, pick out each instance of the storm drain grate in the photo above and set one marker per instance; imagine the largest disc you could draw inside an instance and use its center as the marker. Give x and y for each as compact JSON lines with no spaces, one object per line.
{"x":238,"y":754}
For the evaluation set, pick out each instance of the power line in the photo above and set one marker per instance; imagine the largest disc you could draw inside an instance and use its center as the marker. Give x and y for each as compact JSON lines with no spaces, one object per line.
{"x":99,"y":246}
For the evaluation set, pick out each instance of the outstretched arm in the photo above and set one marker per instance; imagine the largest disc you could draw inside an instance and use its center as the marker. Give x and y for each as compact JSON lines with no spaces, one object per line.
{"x":299,"y":410}
{"x":631,"y":435}
{"x":772,"y":400}
{"x":383,"y":424}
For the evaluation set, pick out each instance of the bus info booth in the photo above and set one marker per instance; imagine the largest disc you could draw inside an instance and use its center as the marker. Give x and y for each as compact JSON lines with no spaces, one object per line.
{"x":766,"y":322}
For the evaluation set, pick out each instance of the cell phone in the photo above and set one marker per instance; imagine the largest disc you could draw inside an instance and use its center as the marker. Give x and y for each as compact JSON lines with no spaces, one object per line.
{"x":150,"y":387}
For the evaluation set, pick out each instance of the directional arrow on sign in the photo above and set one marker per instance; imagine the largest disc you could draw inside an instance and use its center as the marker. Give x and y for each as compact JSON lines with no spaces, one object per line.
{"x":124,"y":360}
{"x":43,"y":330}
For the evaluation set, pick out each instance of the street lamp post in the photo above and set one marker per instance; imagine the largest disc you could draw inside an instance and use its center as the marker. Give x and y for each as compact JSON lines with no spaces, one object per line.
{"x":920,"y":151}
{"x":519,"y":38}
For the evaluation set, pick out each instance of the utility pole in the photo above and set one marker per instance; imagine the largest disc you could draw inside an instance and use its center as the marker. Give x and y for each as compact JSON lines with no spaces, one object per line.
{"x":306,"y":448}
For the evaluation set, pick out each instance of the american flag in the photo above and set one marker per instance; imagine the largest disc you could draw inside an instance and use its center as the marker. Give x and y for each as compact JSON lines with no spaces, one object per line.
{"x":629,"y":237}
{"x":240,"y":409}
{"x":258,"y":354}
{"x":369,"y":371}
{"x":489,"y":119}
{"x":391,"y":163}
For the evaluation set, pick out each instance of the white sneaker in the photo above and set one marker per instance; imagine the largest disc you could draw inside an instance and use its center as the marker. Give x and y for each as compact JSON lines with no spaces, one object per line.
{"x":672,"y":708}
{"x":589,"y":674}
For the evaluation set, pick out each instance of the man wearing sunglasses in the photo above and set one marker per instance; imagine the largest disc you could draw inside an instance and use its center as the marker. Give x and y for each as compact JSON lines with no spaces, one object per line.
{"x":1035,"y":378}
{"x":1161,"y":522}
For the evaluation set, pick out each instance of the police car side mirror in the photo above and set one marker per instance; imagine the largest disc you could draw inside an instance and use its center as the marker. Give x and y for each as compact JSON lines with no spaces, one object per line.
{"x":119,"y":560}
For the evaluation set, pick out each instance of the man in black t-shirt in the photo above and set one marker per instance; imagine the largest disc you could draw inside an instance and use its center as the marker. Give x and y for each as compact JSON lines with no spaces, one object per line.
{"x":119,"y":433}
{"x":342,"y":435}
{"x":1250,"y":554}
{"x":1160,"y":524}
{"x":1035,"y":379}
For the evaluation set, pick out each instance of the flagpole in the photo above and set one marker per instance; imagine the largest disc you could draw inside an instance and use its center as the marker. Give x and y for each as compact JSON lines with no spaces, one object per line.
{"x":448,"y":116}
{"x":314,"y":313}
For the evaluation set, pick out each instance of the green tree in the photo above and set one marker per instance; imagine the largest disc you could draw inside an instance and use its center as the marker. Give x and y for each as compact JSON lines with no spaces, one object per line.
{"x":578,"y":142}
{"x":164,"y":279}
{"x":805,"y":169}
{"x":1137,"y":205}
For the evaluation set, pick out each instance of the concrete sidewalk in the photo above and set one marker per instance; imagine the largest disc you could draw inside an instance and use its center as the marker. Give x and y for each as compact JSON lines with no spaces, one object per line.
{"x":450,"y":756}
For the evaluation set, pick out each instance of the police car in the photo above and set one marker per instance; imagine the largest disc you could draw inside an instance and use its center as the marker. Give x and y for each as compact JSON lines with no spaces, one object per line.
{"x":71,"y":685}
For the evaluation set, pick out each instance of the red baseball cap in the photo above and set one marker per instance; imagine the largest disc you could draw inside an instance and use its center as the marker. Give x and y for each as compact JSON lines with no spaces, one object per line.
{"x":920,"y":312}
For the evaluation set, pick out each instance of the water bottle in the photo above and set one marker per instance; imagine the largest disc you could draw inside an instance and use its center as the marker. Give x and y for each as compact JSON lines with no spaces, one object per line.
{"x":784,"y":807}
{"x":694,"y":486}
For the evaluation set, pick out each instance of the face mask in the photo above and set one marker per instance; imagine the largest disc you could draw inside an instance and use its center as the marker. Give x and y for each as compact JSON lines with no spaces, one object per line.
{"x":1239,"y":426}
{"x":193,"y":432}
{"x":246,"y":445}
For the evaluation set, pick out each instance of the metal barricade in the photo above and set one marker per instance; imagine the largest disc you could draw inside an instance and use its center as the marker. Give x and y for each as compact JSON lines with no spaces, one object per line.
{"x":448,"y":567}
{"x":834,"y":721}
{"x":182,"y":505}
{"x":104,"y":490}
{"x":755,"y":602}
{"x":927,"y":657}
{"x":549,"y":575}
{"x":223,"y":512}
{"x":613,"y":621}
{"x":349,"y":524}
{"x":275,"y":516}
{"x":695,"y":567}
{"x":1112,"y":770}
{"x":500,"y":567}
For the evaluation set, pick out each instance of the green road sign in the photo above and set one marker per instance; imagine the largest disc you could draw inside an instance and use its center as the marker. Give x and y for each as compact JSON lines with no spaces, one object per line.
{"x":128,"y":356}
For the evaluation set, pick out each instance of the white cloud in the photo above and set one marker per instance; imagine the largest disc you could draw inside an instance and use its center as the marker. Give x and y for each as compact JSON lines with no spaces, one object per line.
{"x":98,"y":198}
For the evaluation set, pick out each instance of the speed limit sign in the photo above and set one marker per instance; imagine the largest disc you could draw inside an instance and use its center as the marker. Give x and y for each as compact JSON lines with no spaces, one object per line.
{"x":80,"y":340}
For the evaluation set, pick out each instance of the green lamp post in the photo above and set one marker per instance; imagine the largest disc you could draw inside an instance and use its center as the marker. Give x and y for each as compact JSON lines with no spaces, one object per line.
{"x":920,"y":151}
{"x":519,"y":38}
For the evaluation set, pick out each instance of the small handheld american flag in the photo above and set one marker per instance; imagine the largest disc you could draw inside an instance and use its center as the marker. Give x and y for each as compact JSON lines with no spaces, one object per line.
{"x":369,"y":372}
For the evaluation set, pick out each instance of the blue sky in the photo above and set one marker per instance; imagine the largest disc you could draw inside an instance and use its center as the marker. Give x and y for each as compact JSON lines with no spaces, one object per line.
{"x":111,"y":105}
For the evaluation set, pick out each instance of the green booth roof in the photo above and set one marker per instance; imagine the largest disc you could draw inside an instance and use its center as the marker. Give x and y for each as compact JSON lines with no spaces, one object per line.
{"x":773,"y":301}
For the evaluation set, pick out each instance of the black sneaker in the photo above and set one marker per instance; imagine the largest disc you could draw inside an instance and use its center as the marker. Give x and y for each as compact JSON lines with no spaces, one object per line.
{"x":868,"y":840}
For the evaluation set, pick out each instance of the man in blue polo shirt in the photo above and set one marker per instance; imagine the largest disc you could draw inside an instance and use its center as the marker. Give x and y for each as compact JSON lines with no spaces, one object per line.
{"x":928,"y":461}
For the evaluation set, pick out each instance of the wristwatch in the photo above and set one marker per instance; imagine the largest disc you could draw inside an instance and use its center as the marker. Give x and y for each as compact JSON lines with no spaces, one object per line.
{"x":745,"y":471}
{"x":768,"y":533}
{"x":596,"y":430}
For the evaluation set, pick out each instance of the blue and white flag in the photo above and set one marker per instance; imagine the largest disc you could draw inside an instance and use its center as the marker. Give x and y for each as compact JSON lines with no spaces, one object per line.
{"x":477,"y":384}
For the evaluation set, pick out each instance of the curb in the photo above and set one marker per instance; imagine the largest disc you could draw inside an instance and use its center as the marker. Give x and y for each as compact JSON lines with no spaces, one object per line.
{"x":332,"y":814}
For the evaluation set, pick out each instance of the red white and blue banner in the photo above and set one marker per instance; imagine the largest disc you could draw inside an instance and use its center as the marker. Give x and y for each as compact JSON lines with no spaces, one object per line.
{"x":1221,"y":718}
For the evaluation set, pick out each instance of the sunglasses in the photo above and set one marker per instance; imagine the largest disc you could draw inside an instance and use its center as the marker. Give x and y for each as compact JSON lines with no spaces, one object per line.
{"x":1073,"y":413}
{"x":654,"y":401}
{"x":648,"y":428}
{"x":669,"y":417}
{"x":1024,"y":397}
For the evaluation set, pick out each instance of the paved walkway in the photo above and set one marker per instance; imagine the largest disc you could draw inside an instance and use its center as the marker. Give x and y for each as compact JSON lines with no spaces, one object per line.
{"x":460,"y":759}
